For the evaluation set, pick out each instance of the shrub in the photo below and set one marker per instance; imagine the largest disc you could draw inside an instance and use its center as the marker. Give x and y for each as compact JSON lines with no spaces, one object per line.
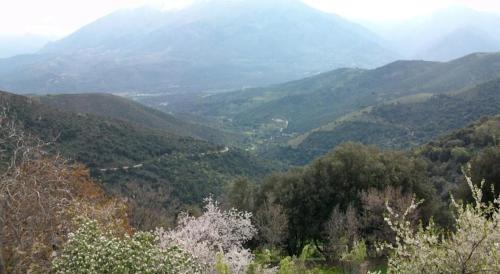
{"x":89,"y":250}
{"x":474,"y":246}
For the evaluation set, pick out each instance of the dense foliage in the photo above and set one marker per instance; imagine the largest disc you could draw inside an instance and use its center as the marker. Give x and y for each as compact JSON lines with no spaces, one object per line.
{"x":116,"y":107}
{"x":446,"y":156}
{"x":331,"y":210}
{"x":309,"y":195}
{"x":161,"y":173}
{"x":403,"y":124}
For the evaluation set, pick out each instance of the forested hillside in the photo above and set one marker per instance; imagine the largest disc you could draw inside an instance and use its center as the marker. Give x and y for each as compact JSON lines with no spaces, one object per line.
{"x":158,"y":170}
{"x":319,"y":100}
{"x":120,"y":108}
{"x":407,"y":124}
{"x":399,"y":105}
{"x":477,"y":145}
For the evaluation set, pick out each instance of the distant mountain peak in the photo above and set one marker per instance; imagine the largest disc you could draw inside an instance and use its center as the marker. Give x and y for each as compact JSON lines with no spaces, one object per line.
{"x":211,"y":45}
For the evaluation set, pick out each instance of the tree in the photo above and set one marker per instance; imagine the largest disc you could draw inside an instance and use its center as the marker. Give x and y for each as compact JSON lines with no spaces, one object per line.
{"x":341,"y":232}
{"x":240,"y":195}
{"x":145,"y":208}
{"x":272,"y":223}
{"x":335,"y":233}
{"x":474,"y":246}
{"x":373,"y":226}
{"x":308,"y":195}
{"x":40,"y":195}
{"x":215,"y":233}
{"x":486,"y":165}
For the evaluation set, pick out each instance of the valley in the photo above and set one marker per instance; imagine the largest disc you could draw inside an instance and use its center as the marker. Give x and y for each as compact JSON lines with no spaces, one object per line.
{"x":250,"y":137}
{"x":338,"y":106}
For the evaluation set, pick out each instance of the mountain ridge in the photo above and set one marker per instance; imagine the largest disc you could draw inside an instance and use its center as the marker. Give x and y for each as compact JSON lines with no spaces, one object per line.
{"x":312,"y":102}
{"x":155,"y":170}
{"x":201,"y":48}
{"x":108,"y":105}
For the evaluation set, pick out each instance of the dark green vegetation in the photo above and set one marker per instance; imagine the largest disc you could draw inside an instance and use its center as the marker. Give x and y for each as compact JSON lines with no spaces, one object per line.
{"x":477,"y":144}
{"x":156,"y":169}
{"x":215,"y":45}
{"x":403,"y":125}
{"x":399,"y":105}
{"x":338,"y":179}
{"x":319,"y":100}
{"x":116,"y":107}
{"x":354,"y":181}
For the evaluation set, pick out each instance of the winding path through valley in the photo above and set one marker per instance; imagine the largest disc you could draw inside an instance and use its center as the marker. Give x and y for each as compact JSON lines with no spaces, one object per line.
{"x":140,"y":165}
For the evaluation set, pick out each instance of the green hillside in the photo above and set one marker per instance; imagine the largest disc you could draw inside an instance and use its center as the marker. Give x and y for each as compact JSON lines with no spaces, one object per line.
{"x":116,"y":107}
{"x":403,"y":125}
{"x":319,"y":100}
{"x":166,"y":171}
{"x":476,"y":144}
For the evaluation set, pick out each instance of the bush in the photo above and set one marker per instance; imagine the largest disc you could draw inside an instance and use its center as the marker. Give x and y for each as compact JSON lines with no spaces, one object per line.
{"x":89,"y":250}
{"x":474,"y":246}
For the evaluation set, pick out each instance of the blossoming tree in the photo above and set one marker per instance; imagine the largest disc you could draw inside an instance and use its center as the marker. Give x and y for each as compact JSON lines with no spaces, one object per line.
{"x":474,"y":246}
{"x":214,"y":234}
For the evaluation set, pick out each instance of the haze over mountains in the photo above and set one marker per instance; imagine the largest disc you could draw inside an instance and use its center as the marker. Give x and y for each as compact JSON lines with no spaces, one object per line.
{"x":12,"y":45}
{"x":223,"y":45}
{"x":314,"y":101}
{"x":443,"y":35}
{"x":253,"y":136}
{"x":212,"y":45}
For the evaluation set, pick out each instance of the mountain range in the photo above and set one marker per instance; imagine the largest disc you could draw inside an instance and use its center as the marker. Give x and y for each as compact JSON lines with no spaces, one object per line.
{"x":405,"y":124}
{"x":211,"y":45}
{"x":443,"y":35}
{"x":321,"y":99}
{"x":400,"y":105}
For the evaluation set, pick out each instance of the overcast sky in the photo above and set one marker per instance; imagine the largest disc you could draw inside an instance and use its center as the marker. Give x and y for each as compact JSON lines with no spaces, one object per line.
{"x":61,"y":17}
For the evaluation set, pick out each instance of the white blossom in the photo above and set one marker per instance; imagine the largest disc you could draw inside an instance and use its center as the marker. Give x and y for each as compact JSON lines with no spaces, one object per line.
{"x":215,"y":232}
{"x":472,"y":248}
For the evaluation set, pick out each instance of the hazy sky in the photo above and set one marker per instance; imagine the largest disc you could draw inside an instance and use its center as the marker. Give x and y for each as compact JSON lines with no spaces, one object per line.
{"x":60,"y":17}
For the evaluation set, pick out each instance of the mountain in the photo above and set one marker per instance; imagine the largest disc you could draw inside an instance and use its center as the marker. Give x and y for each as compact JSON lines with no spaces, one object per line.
{"x":116,"y":107}
{"x":443,"y":35}
{"x":459,"y":43}
{"x":211,"y":45}
{"x":317,"y":101}
{"x":407,"y":124}
{"x":158,"y":171}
